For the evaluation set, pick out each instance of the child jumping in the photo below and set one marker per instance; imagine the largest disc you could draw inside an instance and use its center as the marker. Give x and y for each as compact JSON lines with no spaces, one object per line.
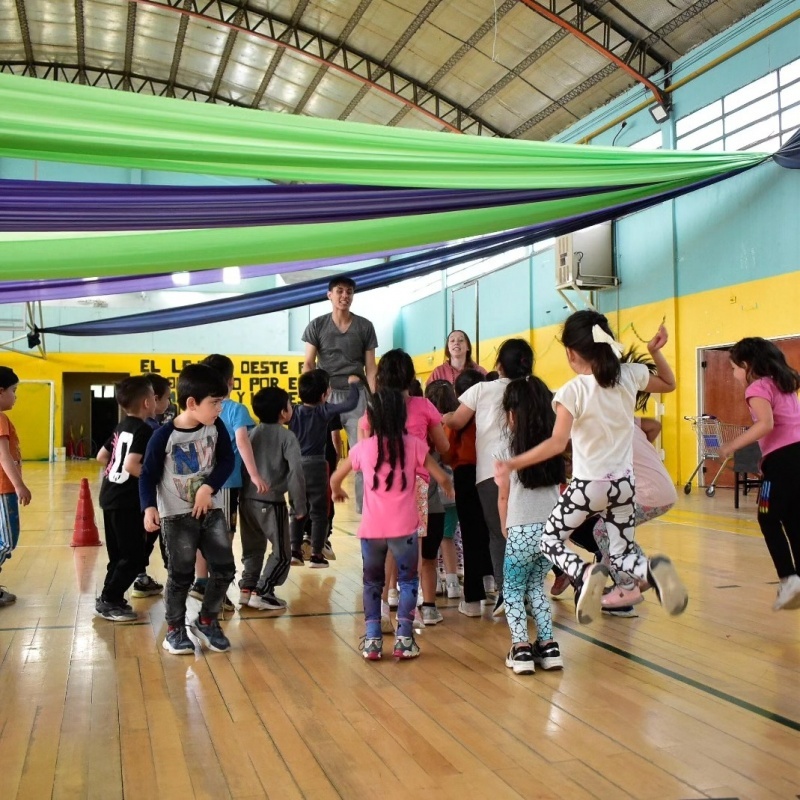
{"x":186,"y":463}
{"x":525,"y":500}
{"x":595,"y":409}
{"x":13,"y":491}
{"x":771,"y":396}
{"x":389,"y":459}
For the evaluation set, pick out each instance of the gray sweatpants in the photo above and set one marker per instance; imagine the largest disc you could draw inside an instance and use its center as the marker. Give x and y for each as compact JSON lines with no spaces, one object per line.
{"x":262,"y":523}
{"x":487,"y":492}
{"x":315,"y":471}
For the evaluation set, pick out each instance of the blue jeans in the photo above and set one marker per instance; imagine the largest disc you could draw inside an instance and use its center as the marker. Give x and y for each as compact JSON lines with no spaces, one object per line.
{"x":350,"y":424}
{"x":406,"y":553}
{"x":184,"y":536}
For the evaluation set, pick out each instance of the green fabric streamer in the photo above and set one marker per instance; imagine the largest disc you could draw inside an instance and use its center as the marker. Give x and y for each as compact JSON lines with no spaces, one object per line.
{"x":47,"y":256}
{"x":56,"y":121}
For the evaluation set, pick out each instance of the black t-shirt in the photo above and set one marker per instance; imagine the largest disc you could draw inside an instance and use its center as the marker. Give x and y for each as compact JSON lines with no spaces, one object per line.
{"x":120,"y":489}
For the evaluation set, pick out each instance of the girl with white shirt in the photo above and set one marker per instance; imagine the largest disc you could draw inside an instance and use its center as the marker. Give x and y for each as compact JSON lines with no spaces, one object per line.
{"x":595,"y":409}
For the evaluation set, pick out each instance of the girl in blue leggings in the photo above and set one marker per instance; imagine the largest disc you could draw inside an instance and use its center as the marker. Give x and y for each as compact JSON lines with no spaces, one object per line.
{"x":525,"y":500}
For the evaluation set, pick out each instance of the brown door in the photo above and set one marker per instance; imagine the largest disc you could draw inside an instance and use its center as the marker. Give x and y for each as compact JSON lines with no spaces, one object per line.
{"x":723,"y":397}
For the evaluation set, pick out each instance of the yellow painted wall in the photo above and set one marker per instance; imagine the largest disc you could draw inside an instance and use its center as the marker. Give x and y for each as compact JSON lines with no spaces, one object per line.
{"x":766,"y":307}
{"x":251,"y":373}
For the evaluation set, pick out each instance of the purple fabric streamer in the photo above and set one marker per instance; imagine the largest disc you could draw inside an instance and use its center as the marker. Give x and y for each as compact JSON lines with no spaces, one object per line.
{"x":27,"y":206}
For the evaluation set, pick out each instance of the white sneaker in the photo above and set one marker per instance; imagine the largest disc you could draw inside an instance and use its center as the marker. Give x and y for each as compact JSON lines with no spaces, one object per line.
{"x":489,"y":585}
{"x":788,"y":594}
{"x":431,"y":615}
{"x":267,"y":602}
{"x":393,"y":599}
{"x":440,"y":587}
{"x":244,"y":596}
{"x":471,"y":609}
{"x":453,"y":589}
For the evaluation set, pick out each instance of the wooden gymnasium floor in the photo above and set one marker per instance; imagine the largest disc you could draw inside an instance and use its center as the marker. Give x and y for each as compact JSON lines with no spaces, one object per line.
{"x":705,"y":705}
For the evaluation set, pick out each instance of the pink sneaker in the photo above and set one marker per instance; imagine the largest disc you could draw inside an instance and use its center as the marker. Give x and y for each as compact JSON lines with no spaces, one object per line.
{"x":619,"y":597}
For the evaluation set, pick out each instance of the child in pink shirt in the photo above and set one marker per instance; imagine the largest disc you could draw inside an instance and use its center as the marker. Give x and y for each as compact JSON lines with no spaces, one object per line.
{"x":771,"y":396}
{"x":390,"y":461}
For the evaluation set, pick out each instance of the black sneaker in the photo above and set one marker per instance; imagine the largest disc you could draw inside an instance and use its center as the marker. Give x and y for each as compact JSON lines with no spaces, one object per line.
{"x":116,"y":612}
{"x":547,"y":656}
{"x":145,"y":586}
{"x":499,"y":605}
{"x":520,"y":659}
{"x":621,"y":611}
{"x":318,"y":561}
{"x":297,"y":558}
{"x":198,"y":590}
{"x":211,"y":635}
{"x":177,"y":641}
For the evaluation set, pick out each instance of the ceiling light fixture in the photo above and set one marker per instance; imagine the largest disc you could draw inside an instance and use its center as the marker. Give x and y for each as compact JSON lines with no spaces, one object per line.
{"x":659,"y":112}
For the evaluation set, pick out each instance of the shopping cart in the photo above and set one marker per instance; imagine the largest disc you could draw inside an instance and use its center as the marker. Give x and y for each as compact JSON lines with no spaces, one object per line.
{"x":711,"y":435}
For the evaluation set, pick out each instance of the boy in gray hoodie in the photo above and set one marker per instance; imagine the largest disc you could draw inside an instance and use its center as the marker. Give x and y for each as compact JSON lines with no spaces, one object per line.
{"x":264,"y":518}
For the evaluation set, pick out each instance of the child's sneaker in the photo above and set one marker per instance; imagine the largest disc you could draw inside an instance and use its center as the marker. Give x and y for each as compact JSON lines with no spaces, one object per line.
{"x":520,"y":659}
{"x":6,"y":598}
{"x":431,"y":615}
{"x":211,"y":635}
{"x":393,"y":599}
{"x":327,"y":551}
{"x":297,"y":559}
{"x":663,"y":577}
{"x":547,"y":656}
{"x":473,"y":608}
{"x":619,"y":597}
{"x":621,"y":611}
{"x":788,"y":594}
{"x":266,"y":602}
{"x":145,"y":586}
{"x":244,"y":597}
{"x":116,"y":612}
{"x":560,"y":585}
{"x":405,"y":647}
{"x":489,"y":585}
{"x":198,"y":590}
{"x":371,"y":649}
{"x":441,"y":586}
{"x":305,"y":549}
{"x":177,"y":641}
{"x":453,"y":589}
{"x":318,"y":561}
{"x":589,"y":593}
{"x":499,"y":606}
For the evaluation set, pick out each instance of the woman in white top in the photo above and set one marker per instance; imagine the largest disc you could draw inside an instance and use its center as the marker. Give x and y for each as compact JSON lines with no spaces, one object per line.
{"x":595,"y":409}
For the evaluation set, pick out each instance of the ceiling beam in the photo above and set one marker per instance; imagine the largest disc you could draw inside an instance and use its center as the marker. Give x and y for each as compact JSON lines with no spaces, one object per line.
{"x":178,"y":51}
{"x":80,"y":38}
{"x":356,"y":65}
{"x":602,"y":48}
{"x":225,"y":58}
{"x":22,"y":16}
{"x":130,"y":39}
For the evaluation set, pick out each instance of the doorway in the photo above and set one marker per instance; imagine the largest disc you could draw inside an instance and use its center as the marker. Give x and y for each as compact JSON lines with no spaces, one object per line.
{"x":88,"y":419}
{"x":722,"y":397}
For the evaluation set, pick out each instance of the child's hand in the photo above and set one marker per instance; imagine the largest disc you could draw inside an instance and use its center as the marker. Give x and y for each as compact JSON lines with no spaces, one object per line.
{"x":448,"y":489}
{"x":203,"y":501}
{"x":262,"y":487}
{"x":726,"y":450}
{"x":659,"y":340}
{"x":23,"y":495}
{"x":354,"y":379}
{"x":152,"y":521}
{"x":339,"y":495}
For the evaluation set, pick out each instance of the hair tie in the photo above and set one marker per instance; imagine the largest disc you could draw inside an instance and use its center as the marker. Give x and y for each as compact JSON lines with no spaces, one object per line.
{"x":599,"y":336}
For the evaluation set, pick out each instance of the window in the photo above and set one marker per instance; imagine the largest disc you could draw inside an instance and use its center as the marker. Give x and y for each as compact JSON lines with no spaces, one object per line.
{"x":759,"y":116}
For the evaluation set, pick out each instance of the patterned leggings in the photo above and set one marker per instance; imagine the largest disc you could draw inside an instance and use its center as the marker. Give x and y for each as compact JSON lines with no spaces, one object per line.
{"x":613,"y":501}
{"x":524,"y":569}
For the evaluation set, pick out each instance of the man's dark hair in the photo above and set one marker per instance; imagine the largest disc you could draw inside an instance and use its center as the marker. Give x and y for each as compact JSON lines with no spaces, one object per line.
{"x":159,"y":383}
{"x":200,"y":381}
{"x":131,"y":392}
{"x":268,"y":404}
{"x":312,"y":385}
{"x":341,"y":281}
{"x":221,"y":364}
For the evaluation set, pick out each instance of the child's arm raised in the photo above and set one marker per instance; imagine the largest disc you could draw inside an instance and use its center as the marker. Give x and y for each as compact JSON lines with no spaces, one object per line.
{"x":663,"y":381}
{"x":11,"y":468}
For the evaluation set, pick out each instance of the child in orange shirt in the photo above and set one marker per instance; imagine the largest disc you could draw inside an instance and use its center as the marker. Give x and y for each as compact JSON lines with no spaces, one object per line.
{"x":13,"y":491}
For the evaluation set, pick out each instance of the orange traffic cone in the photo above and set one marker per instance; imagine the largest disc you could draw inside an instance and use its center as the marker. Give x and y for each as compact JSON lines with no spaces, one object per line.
{"x":85,"y":533}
